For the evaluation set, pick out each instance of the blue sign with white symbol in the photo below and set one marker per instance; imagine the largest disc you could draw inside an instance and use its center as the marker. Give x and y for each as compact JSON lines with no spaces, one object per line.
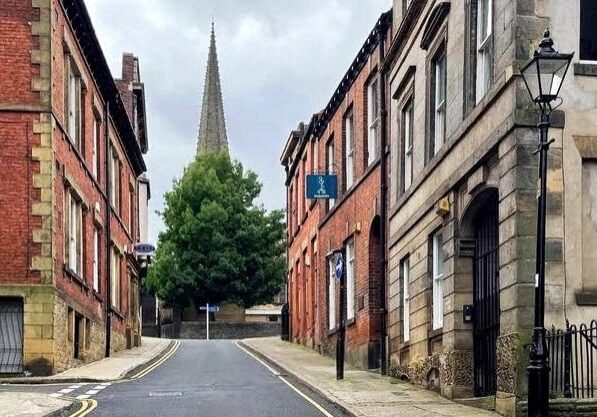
{"x":212,"y":309}
{"x":339,"y":266}
{"x":322,"y":186}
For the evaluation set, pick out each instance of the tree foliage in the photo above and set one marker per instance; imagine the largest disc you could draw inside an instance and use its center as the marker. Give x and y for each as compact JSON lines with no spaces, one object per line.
{"x":218,"y":245}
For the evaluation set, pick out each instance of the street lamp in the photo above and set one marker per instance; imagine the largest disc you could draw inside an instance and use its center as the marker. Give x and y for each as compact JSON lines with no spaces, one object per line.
{"x":543,"y":76}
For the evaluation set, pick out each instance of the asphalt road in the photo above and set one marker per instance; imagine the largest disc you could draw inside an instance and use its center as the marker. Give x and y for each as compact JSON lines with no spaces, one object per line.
{"x":209,"y":379}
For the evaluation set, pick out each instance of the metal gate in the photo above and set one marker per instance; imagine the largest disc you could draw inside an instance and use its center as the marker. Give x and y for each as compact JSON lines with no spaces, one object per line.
{"x":11,"y":335}
{"x":486,"y":291}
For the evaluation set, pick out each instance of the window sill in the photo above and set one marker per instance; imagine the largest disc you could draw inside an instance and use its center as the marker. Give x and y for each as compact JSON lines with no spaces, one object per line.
{"x":98,"y":296}
{"x":117,"y":312}
{"x":333,"y":331}
{"x":432,"y":334}
{"x":404,"y":345}
{"x":585,"y":68}
{"x":73,"y":276}
{"x":586,"y":298}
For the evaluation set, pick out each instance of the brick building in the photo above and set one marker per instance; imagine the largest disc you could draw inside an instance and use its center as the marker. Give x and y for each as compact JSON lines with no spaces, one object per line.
{"x":346,"y":139}
{"x":71,"y":145}
{"x":463,"y":187}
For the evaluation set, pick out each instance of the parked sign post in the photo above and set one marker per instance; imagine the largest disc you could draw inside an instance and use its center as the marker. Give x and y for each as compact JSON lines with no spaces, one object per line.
{"x":208,"y":309}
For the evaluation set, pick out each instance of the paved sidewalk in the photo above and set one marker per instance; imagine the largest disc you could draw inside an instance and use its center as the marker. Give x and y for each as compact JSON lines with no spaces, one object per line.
{"x":25,"y":404}
{"x":362,"y":393}
{"x":113,"y":368}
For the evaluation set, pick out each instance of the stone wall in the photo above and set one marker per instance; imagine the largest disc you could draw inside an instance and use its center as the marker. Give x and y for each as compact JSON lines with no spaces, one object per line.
{"x":220,"y":330}
{"x":566,"y":407}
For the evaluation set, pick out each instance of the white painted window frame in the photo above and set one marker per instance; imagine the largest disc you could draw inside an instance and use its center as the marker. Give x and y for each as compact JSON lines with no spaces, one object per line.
{"x":438,"y":280}
{"x":350,"y":280}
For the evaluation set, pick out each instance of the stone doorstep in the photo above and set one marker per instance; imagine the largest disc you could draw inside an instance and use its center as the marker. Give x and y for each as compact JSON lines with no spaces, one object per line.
{"x":53,"y":379}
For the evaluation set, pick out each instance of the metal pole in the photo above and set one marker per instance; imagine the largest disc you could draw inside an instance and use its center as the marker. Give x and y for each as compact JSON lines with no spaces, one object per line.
{"x":538,"y":369}
{"x":342,"y":330}
{"x":207,"y":320}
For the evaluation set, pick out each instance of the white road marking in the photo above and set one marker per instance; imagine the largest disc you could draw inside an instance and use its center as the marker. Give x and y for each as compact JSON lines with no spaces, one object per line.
{"x":106,"y":384}
{"x":100,"y":387}
{"x":66,"y":390}
{"x":75,"y":386}
{"x":83,"y":397}
{"x":92,"y":391}
{"x":284,"y":380}
{"x":56,"y":395}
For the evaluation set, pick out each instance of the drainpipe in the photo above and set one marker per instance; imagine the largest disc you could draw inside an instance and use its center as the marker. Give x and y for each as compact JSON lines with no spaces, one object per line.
{"x":383,"y":188}
{"x":108,"y":302}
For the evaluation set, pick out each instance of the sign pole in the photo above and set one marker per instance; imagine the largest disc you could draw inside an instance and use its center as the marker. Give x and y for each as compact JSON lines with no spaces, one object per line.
{"x":207,"y":320}
{"x":340,"y":341}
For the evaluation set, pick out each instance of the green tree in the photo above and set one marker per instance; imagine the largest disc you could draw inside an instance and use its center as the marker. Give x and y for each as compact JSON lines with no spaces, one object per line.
{"x":218,"y":245}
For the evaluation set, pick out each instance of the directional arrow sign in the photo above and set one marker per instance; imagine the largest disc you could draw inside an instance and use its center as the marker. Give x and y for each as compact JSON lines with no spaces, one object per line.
{"x":212,"y":309}
{"x":339,"y":266}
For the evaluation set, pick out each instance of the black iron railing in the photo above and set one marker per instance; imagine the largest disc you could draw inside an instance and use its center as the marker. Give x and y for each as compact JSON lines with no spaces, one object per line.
{"x":11,"y":335}
{"x":572,"y":355}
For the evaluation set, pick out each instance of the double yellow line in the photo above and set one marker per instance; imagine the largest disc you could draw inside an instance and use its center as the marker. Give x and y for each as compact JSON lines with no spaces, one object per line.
{"x":87,"y":407}
{"x":163,"y":359}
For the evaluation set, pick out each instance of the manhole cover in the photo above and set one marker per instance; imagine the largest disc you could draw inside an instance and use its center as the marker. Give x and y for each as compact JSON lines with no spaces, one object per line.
{"x":166,"y":394}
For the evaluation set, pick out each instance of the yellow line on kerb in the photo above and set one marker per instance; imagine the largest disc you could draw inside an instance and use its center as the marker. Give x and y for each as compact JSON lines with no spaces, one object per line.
{"x":88,"y":405}
{"x":167,"y":356}
{"x":295,"y":389}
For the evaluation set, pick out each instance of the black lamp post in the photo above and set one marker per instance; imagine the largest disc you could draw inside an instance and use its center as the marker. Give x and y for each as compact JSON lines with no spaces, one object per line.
{"x":543,"y":76}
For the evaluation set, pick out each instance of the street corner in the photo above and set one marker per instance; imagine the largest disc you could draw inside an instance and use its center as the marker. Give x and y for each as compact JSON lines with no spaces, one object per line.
{"x":28,"y":404}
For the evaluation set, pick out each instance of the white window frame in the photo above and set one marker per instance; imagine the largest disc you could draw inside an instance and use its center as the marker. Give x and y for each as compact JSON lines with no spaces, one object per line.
{"x":330,"y":168}
{"x":439,"y":115}
{"x":484,"y":56}
{"x":405,"y":266}
{"x":373,"y":117}
{"x":331,"y":295}
{"x":73,"y":100}
{"x":350,"y":281}
{"x":349,"y":149}
{"x":74,"y":234}
{"x":407,"y":168}
{"x":95,"y":148}
{"x":96,"y":259}
{"x":115,"y":278}
{"x":115,"y":179}
{"x":438,"y":280}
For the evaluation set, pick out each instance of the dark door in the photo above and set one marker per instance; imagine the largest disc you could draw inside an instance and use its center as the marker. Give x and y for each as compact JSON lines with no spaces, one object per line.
{"x":11,"y":335}
{"x":77,"y":338}
{"x":486,"y":291}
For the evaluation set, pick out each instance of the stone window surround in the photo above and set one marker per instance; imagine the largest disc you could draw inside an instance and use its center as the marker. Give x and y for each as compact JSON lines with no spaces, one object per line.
{"x":72,"y":189}
{"x":470,"y":57}
{"x":439,"y":44}
{"x":405,"y":95}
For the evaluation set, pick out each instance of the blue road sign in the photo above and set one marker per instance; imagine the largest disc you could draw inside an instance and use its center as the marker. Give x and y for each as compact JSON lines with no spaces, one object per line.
{"x":339,"y":266}
{"x":323,"y":186}
{"x":212,"y":309}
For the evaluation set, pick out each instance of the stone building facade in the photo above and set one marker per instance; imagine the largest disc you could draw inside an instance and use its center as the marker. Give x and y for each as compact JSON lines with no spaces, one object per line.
{"x":463,"y":184}
{"x":71,"y":145}
{"x":343,"y":139}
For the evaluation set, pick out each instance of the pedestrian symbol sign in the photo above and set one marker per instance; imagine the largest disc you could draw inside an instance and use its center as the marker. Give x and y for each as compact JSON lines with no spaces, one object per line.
{"x":339,"y":266}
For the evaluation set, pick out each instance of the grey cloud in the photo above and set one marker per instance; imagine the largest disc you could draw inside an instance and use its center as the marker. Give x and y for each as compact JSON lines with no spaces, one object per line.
{"x":280,"y":61}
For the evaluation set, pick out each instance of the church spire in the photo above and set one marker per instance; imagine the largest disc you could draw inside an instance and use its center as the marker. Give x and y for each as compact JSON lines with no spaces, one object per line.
{"x":212,"y":126}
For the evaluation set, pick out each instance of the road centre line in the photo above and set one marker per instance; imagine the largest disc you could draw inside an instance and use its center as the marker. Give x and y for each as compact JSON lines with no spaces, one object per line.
{"x":277,"y":374}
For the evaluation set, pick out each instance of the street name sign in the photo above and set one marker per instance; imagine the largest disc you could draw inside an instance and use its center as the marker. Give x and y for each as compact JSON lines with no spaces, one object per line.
{"x":212,"y":309}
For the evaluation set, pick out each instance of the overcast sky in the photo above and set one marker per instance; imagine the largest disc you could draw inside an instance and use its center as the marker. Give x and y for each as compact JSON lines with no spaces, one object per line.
{"x":280,"y":61}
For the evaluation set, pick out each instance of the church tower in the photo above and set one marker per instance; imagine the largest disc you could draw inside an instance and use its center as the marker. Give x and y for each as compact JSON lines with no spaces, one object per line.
{"x":212,"y":125}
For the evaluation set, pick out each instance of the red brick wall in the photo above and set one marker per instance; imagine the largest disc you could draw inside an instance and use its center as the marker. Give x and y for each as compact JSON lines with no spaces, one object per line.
{"x":78,"y":165}
{"x":16,"y":194}
{"x":16,"y":44}
{"x":356,"y":209}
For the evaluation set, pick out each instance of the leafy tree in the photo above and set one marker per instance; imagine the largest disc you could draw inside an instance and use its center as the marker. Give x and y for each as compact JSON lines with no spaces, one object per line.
{"x":219,"y":245}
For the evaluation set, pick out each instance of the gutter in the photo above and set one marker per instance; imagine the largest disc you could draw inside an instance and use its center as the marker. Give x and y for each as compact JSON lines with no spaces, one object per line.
{"x":108,"y":301}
